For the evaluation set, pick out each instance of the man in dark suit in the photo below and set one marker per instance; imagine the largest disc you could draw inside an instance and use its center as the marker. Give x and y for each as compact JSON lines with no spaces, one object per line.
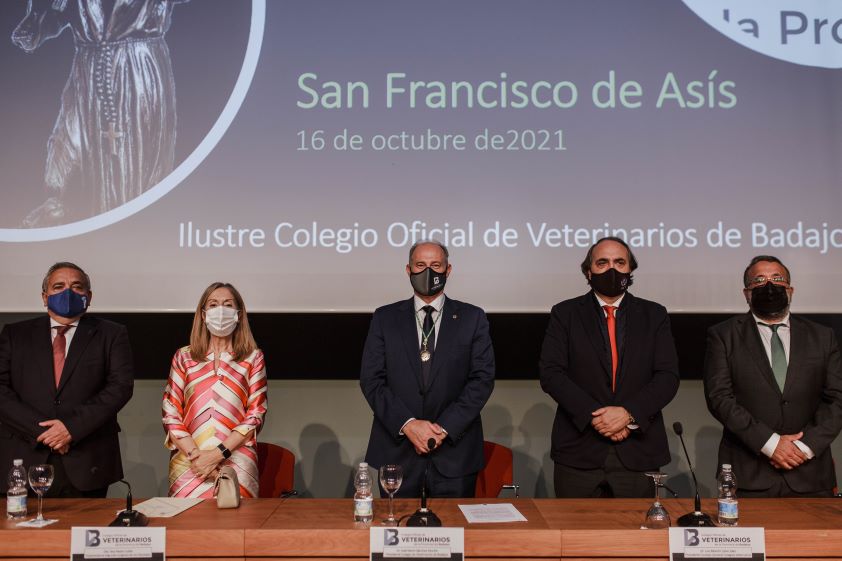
{"x":427,"y":371}
{"x":609,"y":361}
{"x":63,"y":378}
{"x":774,"y":381}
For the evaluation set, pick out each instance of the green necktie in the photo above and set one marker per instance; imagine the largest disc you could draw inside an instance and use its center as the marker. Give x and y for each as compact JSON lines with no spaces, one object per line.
{"x":778,"y":355}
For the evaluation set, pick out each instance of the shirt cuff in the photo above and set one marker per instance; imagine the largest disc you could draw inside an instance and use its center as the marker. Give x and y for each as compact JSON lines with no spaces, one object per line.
{"x":769,"y":448}
{"x":804,"y":448}
{"x":632,"y":426}
{"x":403,"y":426}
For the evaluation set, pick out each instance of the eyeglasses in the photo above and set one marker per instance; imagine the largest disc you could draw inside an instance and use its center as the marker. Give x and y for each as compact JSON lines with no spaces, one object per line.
{"x":774,"y":279}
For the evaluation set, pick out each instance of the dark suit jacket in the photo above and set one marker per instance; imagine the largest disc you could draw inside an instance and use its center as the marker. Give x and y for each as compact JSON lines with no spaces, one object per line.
{"x":742,"y":394}
{"x":461,"y":381}
{"x":575,"y":370}
{"x":96,"y":383}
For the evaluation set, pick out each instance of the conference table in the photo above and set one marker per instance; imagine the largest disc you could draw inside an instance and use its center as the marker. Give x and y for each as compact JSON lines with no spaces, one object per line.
{"x":311,"y":529}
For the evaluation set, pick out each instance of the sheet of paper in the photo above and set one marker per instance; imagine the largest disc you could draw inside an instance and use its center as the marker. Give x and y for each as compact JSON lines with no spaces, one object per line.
{"x":165,"y":507}
{"x":487,"y":513}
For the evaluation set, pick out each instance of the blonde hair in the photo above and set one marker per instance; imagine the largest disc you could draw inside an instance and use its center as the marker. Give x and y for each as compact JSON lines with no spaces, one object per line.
{"x":243,"y":342}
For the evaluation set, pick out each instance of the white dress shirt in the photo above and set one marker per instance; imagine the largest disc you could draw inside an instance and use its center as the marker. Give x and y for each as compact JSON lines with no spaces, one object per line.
{"x":602,"y":303}
{"x":68,"y":335}
{"x":785,"y":336}
{"x":616,"y":304}
{"x":438,"y":304}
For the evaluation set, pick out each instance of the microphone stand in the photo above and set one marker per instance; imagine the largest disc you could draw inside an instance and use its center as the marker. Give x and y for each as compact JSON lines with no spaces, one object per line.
{"x":424,"y":516}
{"x":696,"y":518}
{"x":129,"y":517}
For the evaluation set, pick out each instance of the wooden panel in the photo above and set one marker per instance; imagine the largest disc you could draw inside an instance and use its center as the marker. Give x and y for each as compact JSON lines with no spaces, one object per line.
{"x":305,"y":543}
{"x":204,"y":530}
{"x":803,"y":543}
{"x":325,"y":527}
{"x":610,"y":527}
{"x":614,"y":543}
{"x":208,"y":558}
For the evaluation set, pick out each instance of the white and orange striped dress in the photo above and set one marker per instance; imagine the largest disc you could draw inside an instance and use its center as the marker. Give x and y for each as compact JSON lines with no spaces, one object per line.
{"x":208,"y":405}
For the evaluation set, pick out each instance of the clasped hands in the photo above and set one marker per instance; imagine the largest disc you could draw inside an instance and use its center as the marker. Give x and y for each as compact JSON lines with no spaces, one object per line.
{"x":419,"y":432}
{"x":57,"y":437}
{"x":205,"y":463}
{"x":787,"y":455}
{"x":612,"y":422}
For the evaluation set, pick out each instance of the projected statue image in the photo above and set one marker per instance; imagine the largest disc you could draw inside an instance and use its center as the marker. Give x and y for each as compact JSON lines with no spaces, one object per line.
{"x":114,"y":136}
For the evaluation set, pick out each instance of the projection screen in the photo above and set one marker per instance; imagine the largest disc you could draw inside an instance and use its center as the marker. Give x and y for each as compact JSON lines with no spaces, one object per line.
{"x":298,"y":148}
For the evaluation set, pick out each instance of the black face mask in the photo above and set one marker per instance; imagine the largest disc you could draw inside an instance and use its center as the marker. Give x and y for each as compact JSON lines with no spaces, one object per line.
{"x":610,"y":283}
{"x":428,"y":281}
{"x":769,"y":300}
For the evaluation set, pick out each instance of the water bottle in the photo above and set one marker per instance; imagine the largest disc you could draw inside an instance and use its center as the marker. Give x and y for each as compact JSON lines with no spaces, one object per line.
{"x":363,"y":501}
{"x":729,"y":508}
{"x":16,"y":493}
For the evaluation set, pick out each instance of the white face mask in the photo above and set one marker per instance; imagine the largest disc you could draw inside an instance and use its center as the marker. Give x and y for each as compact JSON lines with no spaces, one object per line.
{"x":221,"y":320}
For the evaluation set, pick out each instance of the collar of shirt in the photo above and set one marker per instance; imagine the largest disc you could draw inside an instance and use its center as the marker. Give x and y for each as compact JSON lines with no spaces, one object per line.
{"x":603,"y":303}
{"x":438,"y":303}
{"x":54,"y":324}
{"x":765,"y":333}
{"x":68,"y":335}
{"x":783,"y":323}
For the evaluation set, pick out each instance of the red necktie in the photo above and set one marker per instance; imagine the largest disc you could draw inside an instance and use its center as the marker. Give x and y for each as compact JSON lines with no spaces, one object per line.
{"x":612,"y":337}
{"x":59,"y":346}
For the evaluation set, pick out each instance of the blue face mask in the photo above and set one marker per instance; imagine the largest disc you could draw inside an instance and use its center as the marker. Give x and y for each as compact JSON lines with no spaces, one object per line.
{"x":67,"y":304}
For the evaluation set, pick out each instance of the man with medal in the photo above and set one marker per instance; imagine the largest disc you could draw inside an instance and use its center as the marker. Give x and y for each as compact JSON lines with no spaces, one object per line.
{"x":427,"y":371}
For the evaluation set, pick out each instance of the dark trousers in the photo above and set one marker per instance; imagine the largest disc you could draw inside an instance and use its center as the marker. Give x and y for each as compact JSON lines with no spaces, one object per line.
{"x":438,"y":485}
{"x":63,"y":488}
{"x":613,"y":479}
{"x":780,"y":490}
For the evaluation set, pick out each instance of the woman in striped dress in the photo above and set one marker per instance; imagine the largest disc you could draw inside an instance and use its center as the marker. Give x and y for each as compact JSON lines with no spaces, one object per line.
{"x":215,"y":398}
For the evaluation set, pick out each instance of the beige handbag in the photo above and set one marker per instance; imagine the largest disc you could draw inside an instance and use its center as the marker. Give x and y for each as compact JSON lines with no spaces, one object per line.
{"x":227,"y":488}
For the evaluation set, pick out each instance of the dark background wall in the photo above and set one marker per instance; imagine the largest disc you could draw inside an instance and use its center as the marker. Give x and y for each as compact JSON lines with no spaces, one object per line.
{"x":328,"y":346}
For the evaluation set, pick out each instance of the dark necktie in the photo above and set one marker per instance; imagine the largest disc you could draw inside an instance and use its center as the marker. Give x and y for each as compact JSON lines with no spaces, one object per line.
{"x":612,"y":338}
{"x":429,"y":332}
{"x":59,"y":347}
{"x":778,"y":355}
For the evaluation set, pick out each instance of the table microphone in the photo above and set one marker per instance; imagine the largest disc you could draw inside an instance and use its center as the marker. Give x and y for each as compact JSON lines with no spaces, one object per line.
{"x":424,"y":516}
{"x":129,"y":517}
{"x":697,"y":517}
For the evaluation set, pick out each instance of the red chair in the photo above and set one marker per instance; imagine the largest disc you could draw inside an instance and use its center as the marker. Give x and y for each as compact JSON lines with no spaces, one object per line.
{"x":497,"y":473}
{"x":275,"y":465}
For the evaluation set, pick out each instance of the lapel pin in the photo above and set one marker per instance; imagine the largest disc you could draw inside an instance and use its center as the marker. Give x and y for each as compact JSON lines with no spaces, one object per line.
{"x":455,"y":316}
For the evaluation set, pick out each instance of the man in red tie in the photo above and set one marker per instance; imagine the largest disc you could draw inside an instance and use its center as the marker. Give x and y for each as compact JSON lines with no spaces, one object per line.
{"x":609,"y":361}
{"x":63,"y":378}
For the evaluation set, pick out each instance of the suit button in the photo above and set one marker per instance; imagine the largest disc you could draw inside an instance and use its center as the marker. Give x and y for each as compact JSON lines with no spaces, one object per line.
{"x":57,"y":402}
{"x":785,"y":402}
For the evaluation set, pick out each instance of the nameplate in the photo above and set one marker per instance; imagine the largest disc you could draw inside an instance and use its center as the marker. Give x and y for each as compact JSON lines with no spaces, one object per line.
{"x":717,"y":543}
{"x":146,"y":544}
{"x":435,"y":544}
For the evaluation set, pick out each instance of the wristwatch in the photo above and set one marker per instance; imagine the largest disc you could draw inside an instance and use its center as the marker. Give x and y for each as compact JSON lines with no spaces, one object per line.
{"x":226,"y":453}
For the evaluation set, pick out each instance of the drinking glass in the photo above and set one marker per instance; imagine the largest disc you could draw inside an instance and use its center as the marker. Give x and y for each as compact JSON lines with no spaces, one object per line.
{"x":391,"y":477}
{"x":40,"y":479}
{"x":657,"y":516}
